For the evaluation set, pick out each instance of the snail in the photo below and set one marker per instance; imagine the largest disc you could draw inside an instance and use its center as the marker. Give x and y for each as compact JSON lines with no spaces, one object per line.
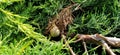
{"x":54,"y":31}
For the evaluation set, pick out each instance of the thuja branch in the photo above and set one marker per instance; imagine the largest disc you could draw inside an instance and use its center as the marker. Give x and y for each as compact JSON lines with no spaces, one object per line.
{"x":11,"y":14}
{"x":70,"y":49}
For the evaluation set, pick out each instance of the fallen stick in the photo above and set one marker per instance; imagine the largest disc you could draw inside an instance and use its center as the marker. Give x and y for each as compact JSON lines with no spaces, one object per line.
{"x":84,"y":44}
{"x":113,"y":42}
{"x":107,"y":48}
{"x":100,"y":40}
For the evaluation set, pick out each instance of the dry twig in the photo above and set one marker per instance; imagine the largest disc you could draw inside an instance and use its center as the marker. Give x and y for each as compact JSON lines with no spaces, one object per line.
{"x":107,"y":48}
{"x":100,"y":40}
{"x":114,"y":42}
{"x":84,"y":44}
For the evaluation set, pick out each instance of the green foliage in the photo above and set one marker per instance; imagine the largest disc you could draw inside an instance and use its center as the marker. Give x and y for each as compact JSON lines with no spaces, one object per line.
{"x":22,"y":23}
{"x":98,"y":18}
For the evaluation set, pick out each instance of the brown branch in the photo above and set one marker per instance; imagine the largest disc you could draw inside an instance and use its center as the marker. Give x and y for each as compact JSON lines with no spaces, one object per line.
{"x":84,"y":44}
{"x":108,"y":49}
{"x":100,"y":40}
{"x":114,"y":42}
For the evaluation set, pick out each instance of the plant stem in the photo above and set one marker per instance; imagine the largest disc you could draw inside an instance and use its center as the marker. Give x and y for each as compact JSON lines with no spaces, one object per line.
{"x":70,"y":49}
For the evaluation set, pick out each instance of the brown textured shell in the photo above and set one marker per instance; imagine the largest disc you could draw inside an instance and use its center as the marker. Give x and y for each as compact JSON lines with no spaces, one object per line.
{"x":61,"y":20}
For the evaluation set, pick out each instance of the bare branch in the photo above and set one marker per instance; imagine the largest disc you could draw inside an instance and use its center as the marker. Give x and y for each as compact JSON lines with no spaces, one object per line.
{"x":100,"y":40}
{"x":84,"y":44}
{"x":114,"y":42}
{"x":108,"y":49}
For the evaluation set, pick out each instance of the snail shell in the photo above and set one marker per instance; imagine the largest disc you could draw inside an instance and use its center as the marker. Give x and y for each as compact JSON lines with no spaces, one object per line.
{"x":54,"y":32}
